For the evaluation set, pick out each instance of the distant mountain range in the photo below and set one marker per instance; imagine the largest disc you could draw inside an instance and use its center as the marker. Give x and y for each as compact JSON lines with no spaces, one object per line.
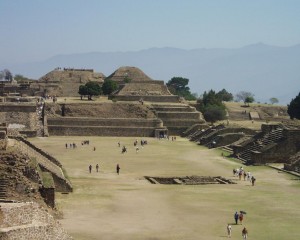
{"x":267,"y":71}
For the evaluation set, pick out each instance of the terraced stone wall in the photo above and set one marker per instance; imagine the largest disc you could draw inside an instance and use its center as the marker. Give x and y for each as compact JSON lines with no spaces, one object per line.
{"x":71,"y":126}
{"x":281,"y":151}
{"x":167,"y":98}
{"x":101,"y":131}
{"x":124,"y":122}
{"x":19,"y":113}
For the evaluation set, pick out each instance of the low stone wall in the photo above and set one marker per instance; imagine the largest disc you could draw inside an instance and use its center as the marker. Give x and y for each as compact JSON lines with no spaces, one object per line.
{"x":17,"y":107}
{"x":28,"y":133}
{"x":166,"y":98}
{"x":40,"y":151}
{"x":101,"y":131}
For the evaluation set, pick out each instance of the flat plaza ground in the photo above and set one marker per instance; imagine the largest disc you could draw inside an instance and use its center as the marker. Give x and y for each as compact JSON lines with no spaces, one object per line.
{"x":108,"y":206}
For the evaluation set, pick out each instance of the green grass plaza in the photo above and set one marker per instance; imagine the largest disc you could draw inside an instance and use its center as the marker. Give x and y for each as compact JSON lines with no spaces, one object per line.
{"x":105,"y":205}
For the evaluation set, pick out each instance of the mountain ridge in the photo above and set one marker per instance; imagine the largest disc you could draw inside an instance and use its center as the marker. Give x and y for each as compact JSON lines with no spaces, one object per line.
{"x":267,"y":71}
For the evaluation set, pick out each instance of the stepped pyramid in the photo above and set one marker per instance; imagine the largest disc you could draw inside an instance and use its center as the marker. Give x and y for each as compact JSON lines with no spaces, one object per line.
{"x":135,"y":85}
{"x":177,"y":117}
{"x":65,"y":82}
{"x":132,"y":74}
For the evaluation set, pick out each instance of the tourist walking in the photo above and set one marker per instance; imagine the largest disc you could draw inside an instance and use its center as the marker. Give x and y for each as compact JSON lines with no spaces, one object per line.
{"x":236,"y":217}
{"x":118,"y":169}
{"x":241,"y":218}
{"x":229,"y":230}
{"x":253,"y":180}
{"x":90,"y":168}
{"x":97,"y":167}
{"x":245,"y":233}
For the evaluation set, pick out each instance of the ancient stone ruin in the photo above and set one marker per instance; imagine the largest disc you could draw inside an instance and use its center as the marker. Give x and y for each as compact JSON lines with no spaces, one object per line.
{"x":275,"y":143}
{"x":189,"y":180}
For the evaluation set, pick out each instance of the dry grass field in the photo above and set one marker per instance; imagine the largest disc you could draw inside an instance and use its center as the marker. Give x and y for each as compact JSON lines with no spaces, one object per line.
{"x":108,"y":206}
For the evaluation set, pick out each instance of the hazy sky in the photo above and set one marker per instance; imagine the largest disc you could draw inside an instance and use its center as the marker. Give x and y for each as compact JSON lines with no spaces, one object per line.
{"x":38,"y":29}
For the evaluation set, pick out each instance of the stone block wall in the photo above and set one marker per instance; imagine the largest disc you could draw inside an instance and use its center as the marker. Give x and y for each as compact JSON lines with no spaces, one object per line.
{"x":167,"y":98}
{"x":175,"y":115}
{"x":281,"y":151}
{"x":19,"y":113}
{"x":49,"y":196}
{"x":124,"y":122}
{"x":101,"y":131}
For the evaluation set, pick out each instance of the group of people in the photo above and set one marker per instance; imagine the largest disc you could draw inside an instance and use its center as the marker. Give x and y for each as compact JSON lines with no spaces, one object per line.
{"x":241,"y":173}
{"x":71,"y":145}
{"x":238,"y":218}
{"x":97,"y":168}
{"x":244,"y":232}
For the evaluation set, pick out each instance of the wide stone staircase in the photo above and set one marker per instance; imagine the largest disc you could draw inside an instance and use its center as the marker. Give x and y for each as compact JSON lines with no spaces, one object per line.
{"x":177,"y":117}
{"x":203,"y":133}
{"x":27,"y":220}
{"x":256,"y":144}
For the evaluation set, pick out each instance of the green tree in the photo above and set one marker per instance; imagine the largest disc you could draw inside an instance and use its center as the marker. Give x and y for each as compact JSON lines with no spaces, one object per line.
{"x":83,"y":91}
{"x":211,"y":106}
{"x":90,"y":89}
{"x":249,"y":100}
{"x":294,"y":107}
{"x":225,"y":96}
{"x":179,"y":86}
{"x":109,"y":86}
{"x":273,"y":100}
{"x":214,"y":113}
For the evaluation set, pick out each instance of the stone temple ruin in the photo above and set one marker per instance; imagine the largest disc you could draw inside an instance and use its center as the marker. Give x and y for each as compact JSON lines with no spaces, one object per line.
{"x":125,"y":116}
{"x":275,"y":143}
{"x":141,"y":107}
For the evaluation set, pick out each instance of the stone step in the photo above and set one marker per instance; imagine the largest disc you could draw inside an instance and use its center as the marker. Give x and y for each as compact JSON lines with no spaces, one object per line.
{"x":174,"y":109}
{"x":178,"y":115}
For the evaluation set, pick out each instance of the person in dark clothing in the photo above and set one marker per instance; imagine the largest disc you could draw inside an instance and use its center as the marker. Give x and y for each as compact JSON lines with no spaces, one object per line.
{"x":118,"y":169}
{"x":236,"y":217}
